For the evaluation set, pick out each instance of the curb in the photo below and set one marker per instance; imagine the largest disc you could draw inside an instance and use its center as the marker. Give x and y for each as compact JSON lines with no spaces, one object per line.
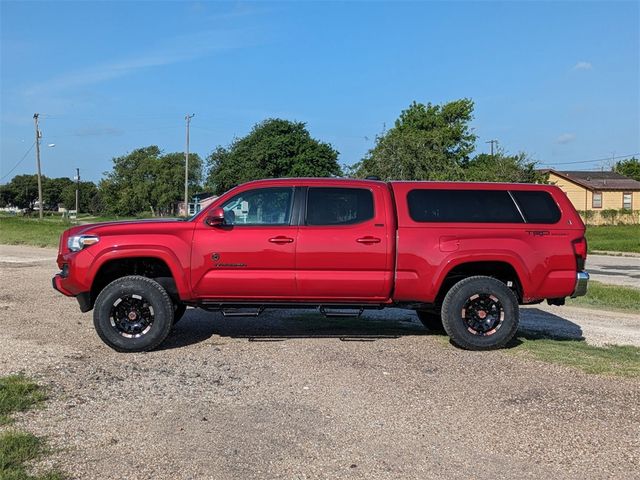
{"x":615,"y":254}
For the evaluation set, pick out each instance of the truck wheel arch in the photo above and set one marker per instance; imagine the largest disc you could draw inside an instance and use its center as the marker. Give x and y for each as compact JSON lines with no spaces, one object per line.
{"x":158,"y":265}
{"x":502,"y":269}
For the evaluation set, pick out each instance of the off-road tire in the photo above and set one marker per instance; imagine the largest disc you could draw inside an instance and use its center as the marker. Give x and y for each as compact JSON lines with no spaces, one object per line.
{"x":152,"y":294}
{"x":431,"y":320}
{"x":459,"y":296}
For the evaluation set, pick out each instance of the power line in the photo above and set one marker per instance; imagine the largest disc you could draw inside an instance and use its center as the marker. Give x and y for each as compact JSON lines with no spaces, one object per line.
{"x":19,"y":162}
{"x":594,"y":160}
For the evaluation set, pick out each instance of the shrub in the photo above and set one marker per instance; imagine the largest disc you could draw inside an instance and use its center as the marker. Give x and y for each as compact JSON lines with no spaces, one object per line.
{"x":610,"y":215}
{"x":587,"y":215}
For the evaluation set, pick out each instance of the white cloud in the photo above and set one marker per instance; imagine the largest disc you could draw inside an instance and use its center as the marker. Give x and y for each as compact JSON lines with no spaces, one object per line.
{"x":98,"y":131}
{"x":565,"y":138}
{"x":178,"y":49}
{"x":582,"y":65}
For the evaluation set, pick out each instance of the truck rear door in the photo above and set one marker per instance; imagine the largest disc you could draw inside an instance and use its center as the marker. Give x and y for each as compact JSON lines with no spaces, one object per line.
{"x":345,"y":244}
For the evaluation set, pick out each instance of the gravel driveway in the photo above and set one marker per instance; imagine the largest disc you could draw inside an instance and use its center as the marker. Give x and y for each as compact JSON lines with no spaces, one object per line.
{"x":293,"y":396}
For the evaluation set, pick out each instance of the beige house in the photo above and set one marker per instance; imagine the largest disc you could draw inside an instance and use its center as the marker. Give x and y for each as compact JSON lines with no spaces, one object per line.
{"x":598,"y":191}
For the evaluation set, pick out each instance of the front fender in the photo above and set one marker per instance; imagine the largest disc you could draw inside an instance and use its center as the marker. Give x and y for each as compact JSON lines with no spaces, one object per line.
{"x":179,"y":270}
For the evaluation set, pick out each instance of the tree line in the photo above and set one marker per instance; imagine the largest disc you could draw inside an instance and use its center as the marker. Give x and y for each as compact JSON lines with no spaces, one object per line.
{"x":426,"y":142}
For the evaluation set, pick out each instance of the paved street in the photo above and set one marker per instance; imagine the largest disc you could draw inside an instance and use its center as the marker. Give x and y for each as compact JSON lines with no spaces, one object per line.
{"x":615,"y":270}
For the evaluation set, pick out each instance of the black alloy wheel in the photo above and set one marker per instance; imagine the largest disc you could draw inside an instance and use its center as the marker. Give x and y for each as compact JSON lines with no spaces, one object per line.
{"x":480,"y":313}
{"x":133,"y":314}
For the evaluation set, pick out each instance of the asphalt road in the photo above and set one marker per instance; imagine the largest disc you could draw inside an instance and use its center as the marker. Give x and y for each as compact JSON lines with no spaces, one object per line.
{"x":291,"y":395}
{"x":614,"y":270}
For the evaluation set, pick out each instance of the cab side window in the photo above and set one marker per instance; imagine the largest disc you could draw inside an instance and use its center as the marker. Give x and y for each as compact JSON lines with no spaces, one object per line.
{"x":262,"y":206}
{"x":339,"y":206}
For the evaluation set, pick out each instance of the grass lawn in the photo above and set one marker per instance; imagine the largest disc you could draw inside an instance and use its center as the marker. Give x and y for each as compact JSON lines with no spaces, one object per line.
{"x":614,"y":238}
{"x":28,"y":231}
{"x":18,"y":448}
{"x":18,"y":394}
{"x":608,"y":297}
{"x":42,"y":233}
{"x":622,"y":361}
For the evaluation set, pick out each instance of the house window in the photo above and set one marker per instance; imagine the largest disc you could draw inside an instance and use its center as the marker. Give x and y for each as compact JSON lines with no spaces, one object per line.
{"x":627,"y":200}
{"x":597,"y":200}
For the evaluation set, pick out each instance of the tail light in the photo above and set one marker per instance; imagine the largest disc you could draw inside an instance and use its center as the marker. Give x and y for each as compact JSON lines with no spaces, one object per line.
{"x":580,"y":250}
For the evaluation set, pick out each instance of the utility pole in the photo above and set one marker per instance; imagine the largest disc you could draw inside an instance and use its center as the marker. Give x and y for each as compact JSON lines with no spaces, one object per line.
{"x":186,"y":167}
{"x":38,"y":136}
{"x":492,"y":142}
{"x":77,"y":191}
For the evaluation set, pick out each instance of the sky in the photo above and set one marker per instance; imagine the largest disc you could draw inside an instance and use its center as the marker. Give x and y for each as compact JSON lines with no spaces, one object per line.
{"x":557,"y":80}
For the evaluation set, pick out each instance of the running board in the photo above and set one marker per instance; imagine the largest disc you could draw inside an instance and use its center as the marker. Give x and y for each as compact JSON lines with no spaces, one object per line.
{"x":236,"y":312}
{"x":343,"y":313}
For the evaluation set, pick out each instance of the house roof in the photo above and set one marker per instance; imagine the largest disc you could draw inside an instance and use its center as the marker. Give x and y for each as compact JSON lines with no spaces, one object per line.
{"x":599,"y":180}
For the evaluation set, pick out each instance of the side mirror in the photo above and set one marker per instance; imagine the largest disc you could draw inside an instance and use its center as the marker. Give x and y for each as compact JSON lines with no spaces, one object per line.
{"x":215,"y":217}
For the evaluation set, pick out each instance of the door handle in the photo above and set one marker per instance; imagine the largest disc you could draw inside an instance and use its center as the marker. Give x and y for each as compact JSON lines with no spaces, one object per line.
{"x":368,"y":240}
{"x":281,"y":240}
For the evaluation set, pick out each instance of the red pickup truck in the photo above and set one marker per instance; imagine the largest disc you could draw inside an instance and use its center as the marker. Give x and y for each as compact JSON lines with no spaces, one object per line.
{"x":463,"y":255}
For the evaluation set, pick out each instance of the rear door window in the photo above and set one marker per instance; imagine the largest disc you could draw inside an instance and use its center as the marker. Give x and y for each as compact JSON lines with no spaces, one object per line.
{"x":469,"y":206}
{"x":338,"y":206}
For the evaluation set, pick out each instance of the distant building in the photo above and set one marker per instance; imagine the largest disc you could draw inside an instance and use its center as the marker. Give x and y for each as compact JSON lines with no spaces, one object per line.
{"x":597,"y":191}
{"x":199,"y":202}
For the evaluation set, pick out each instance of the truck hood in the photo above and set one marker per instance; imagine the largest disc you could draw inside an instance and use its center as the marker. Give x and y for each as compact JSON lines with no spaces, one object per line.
{"x":91,"y":227}
{"x":132,"y":227}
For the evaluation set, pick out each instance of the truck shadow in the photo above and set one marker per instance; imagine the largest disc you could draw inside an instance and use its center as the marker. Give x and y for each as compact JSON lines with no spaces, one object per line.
{"x":536,"y":323}
{"x":282,"y":325}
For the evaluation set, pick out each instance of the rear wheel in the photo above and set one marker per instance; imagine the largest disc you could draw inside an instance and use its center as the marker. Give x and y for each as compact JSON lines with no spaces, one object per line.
{"x":133,"y":314}
{"x":480,"y":313}
{"x":430,"y":319}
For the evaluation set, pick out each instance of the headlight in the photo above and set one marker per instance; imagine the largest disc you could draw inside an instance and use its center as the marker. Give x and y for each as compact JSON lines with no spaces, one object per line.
{"x":78,"y":242}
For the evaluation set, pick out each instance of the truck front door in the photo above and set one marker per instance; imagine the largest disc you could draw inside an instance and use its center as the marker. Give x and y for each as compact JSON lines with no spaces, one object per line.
{"x":252,"y":255}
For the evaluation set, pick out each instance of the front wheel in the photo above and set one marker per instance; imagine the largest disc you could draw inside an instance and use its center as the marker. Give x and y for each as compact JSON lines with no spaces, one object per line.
{"x":133,"y":314}
{"x":480,"y":313}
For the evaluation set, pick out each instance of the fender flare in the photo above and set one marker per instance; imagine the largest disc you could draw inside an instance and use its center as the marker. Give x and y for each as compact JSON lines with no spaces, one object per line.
{"x":157,"y":252}
{"x":508,"y":257}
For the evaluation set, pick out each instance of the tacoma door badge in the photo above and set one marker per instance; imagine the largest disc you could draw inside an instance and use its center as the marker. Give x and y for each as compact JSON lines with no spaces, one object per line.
{"x":216,"y":259}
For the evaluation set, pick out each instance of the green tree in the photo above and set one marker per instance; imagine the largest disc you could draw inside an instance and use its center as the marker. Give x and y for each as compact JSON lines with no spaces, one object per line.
{"x":427,"y":142}
{"x":86,"y":192}
{"x":22,"y":191}
{"x":274,"y":148}
{"x":52,"y":191}
{"x":501,"y":168}
{"x":148,"y":180}
{"x":96,"y":204}
{"x":629,"y":168}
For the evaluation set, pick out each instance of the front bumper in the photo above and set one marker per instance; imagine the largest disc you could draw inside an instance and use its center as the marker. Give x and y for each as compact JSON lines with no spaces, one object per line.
{"x":581,"y":284}
{"x":56,"y":282}
{"x":83,"y":298}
